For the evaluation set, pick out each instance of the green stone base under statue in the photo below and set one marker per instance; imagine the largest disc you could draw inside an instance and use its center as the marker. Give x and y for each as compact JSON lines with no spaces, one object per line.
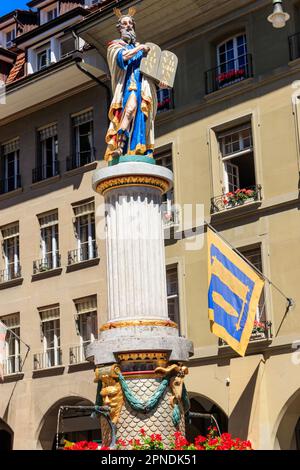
{"x":131,"y":159}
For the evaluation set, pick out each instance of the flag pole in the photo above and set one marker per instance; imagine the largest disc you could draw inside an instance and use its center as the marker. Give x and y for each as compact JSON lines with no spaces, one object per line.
{"x":290,"y":301}
{"x":18,"y":337}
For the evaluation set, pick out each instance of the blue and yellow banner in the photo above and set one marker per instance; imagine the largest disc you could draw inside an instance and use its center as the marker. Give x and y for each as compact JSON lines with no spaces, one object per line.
{"x":233,"y":294}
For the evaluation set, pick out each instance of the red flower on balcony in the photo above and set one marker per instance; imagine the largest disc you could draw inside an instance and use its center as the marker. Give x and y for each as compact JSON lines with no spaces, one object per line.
{"x":239,"y":196}
{"x":164,"y":104}
{"x":231,"y":75}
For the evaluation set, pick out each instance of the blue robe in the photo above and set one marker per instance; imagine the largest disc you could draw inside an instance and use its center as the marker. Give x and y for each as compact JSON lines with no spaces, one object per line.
{"x":133,"y":84}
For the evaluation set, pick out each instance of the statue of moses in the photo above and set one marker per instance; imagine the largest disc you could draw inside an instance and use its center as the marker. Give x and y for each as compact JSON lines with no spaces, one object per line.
{"x":134,"y":104}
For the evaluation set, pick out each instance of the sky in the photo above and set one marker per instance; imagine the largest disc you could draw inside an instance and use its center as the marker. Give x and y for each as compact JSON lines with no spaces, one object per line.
{"x":8,"y":5}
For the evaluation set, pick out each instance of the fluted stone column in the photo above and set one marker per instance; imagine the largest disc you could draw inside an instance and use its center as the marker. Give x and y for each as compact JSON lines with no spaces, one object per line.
{"x":135,"y":251}
{"x":138,"y":337}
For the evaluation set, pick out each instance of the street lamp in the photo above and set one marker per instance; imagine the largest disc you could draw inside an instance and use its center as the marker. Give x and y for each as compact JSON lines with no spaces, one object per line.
{"x":278,"y":18}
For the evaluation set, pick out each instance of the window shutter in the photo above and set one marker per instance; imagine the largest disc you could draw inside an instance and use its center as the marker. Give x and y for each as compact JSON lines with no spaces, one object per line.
{"x":82,"y":118}
{"x":11,"y":146}
{"x":11,"y":321}
{"x":84,"y":209}
{"x":10,"y":231}
{"x":86,"y":305}
{"x":46,"y":220}
{"x":49,"y":313}
{"x":47,"y":132}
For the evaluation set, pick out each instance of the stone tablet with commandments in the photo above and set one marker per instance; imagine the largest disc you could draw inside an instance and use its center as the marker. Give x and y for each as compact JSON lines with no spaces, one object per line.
{"x":160,"y":66}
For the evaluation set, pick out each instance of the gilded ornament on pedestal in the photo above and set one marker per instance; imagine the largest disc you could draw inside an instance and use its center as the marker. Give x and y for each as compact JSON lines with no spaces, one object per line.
{"x":111,"y":391}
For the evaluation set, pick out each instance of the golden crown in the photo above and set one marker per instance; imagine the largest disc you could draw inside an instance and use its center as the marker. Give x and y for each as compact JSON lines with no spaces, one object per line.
{"x":119,"y":14}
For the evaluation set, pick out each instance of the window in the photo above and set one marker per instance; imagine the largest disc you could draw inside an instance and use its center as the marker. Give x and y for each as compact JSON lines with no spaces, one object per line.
{"x":165,"y":158}
{"x":236,"y":149}
{"x":165,"y":100}
{"x":44,"y":57}
{"x":50,"y":258}
{"x":50,"y":335}
{"x":87,"y":326}
{"x":48,"y":164}
{"x":10,"y":168}
{"x":10,"y":36}
{"x":253,"y":255}
{"x":12,"y":364}
{"x":85,"y":233}
{"x":67,"y":46}
{"x":10,"y":235}
{"x":51,"y":14}
{"x":173,"y":294}
{"x":232,"y":60}
{"x":233,"y":64}
{"x":83,"y":139}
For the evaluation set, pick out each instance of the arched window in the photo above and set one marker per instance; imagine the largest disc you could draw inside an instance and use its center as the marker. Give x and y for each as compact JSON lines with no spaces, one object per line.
{"x":231,"y":53}
{"x":232,"y":60}
{"x":233,"y":63}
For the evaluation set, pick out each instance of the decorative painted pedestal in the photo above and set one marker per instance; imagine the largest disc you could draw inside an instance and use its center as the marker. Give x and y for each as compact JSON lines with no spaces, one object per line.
{"x":139,"y":355}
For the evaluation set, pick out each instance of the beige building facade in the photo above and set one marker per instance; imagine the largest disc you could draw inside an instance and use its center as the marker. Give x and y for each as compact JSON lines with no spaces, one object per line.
{"x":232,"y":123}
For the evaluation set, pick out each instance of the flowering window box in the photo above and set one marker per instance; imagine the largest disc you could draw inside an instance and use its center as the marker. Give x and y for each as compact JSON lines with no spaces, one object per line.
{"x":239,"y":197}
{"x":227,"y":78}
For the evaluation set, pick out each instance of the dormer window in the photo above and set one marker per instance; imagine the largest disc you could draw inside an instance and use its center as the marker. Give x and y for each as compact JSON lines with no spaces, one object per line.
{"x":51,"y":14}
{"x":10,"y":36}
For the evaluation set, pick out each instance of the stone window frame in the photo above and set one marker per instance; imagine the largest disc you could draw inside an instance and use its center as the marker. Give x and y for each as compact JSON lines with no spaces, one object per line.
{"x":214,"y":155}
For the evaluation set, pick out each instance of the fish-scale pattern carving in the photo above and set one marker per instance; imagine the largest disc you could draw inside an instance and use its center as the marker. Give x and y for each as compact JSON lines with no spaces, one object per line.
{"x":157,"y":421}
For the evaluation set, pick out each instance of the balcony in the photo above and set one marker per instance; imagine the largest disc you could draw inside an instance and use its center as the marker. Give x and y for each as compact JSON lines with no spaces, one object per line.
{"x":10,"y":184}
{"x":44,"y":172}
{"x":80,"y":159}
{"x":238,"y":198}
{"x":11,"y":273}
{"x":45,"y":360}
{"x":49,"y":262}
{"x":165,"y":100}
{"x":229,"y":73}
{"x":262,"y":330}
{"x":87,"y":251}
{"x":12,"y":365}
{"x":294,"y":46}
{"x":77,"y":354}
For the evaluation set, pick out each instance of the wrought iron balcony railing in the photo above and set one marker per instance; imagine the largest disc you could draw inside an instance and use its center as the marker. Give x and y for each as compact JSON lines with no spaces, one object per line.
{"x":12,"y":365}
{"x":12,"y":272}
{"x":262,"y":330}
{"x":86,"y":252}
{"x":227,"y":74}
{"x":44,"y":172}
{"x":238,"y":198}
{"x":77,"y":354}
{"x":50,"y":358}
{"x":294,"y":46}
{"x":49,"y":262}
{"x":165,"y":100}
{"x":10,"y":184}
{"x":79,"y":159}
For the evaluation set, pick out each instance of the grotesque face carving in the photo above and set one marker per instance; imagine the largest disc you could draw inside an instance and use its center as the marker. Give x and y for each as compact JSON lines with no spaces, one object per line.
{"x":112,"y":395}
{"x":126,"y":27}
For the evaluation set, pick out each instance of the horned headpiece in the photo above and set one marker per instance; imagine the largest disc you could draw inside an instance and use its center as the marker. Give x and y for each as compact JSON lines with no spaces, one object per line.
{"x":119,"y":14}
